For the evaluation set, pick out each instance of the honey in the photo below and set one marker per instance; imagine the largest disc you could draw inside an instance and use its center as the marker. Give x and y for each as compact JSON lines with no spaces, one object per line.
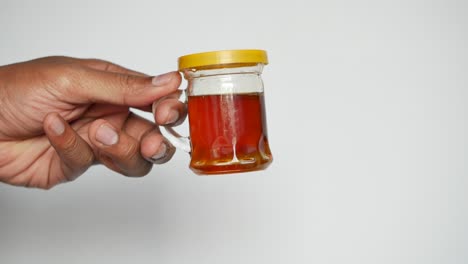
{"x":228,"y":133}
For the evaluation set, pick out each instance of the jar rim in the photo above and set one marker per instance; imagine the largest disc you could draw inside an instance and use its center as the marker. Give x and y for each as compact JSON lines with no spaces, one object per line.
{"x":221,"y":58}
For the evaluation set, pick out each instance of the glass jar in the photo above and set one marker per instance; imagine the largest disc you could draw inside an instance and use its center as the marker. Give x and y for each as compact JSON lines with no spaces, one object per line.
{"x":226,"y":111}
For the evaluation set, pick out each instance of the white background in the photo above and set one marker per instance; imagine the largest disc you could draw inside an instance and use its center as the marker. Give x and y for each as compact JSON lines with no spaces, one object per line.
{"x":367,"y":117}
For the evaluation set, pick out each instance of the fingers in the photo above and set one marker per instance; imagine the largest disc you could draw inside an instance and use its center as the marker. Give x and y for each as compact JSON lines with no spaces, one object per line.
{"x":156,"y":148}
{"x":136,"y":126}
{"x":123,"y":89}
{"x":153,"y":146}
{"x":169,"y":110}
{"x":74,"y":152}
{"x":102,"y":65}
{"x":118,"y":150}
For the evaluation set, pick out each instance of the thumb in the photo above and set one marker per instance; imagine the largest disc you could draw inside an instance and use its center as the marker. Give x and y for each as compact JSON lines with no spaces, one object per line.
{"x":125,"y":89}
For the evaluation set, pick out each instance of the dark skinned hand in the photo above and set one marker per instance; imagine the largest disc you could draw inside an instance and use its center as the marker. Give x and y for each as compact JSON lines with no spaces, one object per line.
{"x":60,"y":115}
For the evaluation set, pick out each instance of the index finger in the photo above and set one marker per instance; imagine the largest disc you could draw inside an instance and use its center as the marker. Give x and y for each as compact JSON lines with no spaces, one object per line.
{"x":95,"y":86}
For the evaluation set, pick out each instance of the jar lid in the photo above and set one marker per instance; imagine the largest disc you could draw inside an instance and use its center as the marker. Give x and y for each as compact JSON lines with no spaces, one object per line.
{"x":223,"y":57}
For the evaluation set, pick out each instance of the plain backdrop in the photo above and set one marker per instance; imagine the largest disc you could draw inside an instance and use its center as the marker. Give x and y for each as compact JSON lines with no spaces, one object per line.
{"x":367,"y":118}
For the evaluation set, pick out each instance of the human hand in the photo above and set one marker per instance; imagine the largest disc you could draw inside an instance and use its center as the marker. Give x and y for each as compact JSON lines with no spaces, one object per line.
{"x":60,"y":115}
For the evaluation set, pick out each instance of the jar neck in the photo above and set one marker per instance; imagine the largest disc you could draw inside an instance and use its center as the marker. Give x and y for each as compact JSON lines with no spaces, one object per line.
{"x":232,"y":80}
{"x":190,"y":74}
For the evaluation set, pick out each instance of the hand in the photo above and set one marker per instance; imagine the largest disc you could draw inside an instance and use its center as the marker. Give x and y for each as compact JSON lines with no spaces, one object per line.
{"x":60,"y":115}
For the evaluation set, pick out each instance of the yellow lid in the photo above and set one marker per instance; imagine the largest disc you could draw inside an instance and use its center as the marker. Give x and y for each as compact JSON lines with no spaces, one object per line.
{"x":207,"y":59}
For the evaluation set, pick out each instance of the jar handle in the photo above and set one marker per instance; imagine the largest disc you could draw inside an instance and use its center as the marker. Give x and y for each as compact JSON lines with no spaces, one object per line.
{"x":172,"y":136}
{"x":176,"y":139}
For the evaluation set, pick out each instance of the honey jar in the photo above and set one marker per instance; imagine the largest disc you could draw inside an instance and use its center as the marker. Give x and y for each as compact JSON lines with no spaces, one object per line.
{"x":226,"y":112}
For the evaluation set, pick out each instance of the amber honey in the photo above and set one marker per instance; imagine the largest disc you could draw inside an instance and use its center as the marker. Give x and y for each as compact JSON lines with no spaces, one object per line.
{"x":228,"y":133}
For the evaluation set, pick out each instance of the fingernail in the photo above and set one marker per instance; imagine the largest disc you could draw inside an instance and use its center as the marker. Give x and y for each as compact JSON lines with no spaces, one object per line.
{"x":107,"y":135}
{"x":161,"y":152}
{"x":57,"y":126}
{"x":162,"y":79}
{"x":172,"y":117}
